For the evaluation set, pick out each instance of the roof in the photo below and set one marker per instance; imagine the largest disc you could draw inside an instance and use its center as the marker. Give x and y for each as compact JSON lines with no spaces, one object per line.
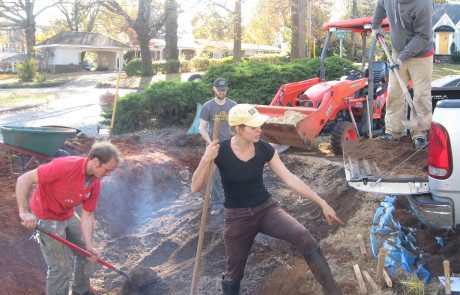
{"x":357,"y":25}
{"x":82,"y":38}
{"x":452,"y":10}
{"x":11,"y":56}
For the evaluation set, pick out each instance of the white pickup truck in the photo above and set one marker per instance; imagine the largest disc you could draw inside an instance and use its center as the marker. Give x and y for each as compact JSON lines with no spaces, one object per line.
{"x":435,"y":199}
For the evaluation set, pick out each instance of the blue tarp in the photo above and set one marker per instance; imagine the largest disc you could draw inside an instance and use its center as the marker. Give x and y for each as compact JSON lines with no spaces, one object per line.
{"x":399,"y":241}
{"x":195,"y":128}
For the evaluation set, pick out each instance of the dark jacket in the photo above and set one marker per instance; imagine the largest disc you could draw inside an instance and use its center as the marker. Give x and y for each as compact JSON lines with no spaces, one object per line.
{"x":411,"y":30}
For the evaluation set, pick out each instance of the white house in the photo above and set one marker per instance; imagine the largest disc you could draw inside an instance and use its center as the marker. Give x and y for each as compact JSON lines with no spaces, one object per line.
{"x":446,"y":26}
{"x":190,"y":47}
{"x":63,"y":52}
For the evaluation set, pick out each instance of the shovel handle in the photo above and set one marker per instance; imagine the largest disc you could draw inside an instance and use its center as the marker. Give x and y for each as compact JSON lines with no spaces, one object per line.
{"x":81,"y":251}
{"x":406,"y":93}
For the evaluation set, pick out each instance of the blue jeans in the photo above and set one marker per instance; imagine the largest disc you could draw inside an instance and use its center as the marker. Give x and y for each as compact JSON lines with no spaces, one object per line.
{"x":55,"y":254}
{"x":217,"y":191}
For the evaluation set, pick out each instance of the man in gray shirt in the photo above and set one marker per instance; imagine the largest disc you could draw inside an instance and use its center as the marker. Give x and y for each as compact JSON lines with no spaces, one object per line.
{"x":219,"y":105}
{"x":411,"y":34}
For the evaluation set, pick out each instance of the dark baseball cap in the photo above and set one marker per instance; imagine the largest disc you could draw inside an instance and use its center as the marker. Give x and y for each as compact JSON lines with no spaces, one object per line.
{"x":220,"y":84}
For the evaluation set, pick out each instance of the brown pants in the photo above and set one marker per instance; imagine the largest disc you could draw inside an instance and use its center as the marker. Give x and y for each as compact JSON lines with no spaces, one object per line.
{"x":241,"y":226}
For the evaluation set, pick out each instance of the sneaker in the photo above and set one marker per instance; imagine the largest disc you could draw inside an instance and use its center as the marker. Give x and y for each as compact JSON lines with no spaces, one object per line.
{"x":388,"y":137}
{"x":420,"y":142}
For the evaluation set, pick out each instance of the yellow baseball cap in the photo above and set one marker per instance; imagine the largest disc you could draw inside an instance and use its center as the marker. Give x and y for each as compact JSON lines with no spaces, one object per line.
{"x":246,"y":114}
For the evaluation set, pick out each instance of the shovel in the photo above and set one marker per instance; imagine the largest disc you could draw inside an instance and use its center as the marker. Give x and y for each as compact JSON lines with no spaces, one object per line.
{"x":140,"y":284}
{"x":415,"y":123}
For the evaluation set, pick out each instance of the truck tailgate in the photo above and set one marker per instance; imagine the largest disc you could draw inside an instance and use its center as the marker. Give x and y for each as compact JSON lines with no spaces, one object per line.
{"x":386,"y":167}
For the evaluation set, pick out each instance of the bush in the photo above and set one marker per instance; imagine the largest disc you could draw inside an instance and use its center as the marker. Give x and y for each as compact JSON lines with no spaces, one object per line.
{"x":134,"y":67}
{"x":200,"y":64}
{"x":174,"y":102}
{"x":159,"y":67}
{"x":172,"y":66}
{"x":456,"y":58}
{"x":27,"y":70}
{"x":185,"y":66}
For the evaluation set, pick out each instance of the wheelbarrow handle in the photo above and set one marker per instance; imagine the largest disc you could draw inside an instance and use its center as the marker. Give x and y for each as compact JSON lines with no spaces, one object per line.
{"x":81,"y":251}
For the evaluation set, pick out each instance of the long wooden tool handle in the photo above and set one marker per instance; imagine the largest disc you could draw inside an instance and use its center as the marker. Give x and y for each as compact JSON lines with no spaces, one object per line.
{"x":204,"y":214}
{"x":403,"y":85}
{"x":447,"y":286}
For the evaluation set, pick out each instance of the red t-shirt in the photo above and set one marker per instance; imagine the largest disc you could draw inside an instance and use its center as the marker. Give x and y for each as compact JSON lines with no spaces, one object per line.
{"x":61,"y":187}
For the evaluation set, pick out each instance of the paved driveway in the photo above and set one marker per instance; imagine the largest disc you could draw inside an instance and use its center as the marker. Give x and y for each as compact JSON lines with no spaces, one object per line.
{"x":76,"y":105}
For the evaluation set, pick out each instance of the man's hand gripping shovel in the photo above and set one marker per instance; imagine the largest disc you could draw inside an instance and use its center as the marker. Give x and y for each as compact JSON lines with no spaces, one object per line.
{"x":415,"y":123}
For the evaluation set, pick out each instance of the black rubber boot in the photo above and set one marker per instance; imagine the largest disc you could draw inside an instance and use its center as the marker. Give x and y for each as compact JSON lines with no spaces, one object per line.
{"x":230,"y":289}
{"x":320,"y":269}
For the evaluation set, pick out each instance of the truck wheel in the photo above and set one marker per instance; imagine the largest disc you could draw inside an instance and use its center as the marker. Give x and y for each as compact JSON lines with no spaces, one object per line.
{"x":343,"y":130}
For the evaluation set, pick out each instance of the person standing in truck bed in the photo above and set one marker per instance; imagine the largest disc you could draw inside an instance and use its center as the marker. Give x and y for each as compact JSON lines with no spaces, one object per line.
{"x":411,"y":34}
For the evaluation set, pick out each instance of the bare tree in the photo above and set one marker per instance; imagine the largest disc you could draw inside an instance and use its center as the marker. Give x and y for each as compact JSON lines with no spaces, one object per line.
{"x":143,"y":25}
{"x":309,"y":24}
{"x":236,"y":24}
{"x":302,"y":29}
{"x":171,"y":50}
{"x":353,"y":35}
{"x":237,"y":32}
{"x":21,"y":12}
{"x":80,"y":15}
{"x":294,"y":29}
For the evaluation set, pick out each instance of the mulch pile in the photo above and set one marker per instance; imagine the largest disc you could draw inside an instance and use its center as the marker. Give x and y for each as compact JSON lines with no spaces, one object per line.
{"x":388,"y":154}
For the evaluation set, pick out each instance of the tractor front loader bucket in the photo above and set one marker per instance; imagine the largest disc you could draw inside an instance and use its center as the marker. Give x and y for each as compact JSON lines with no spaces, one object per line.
{"x":283,"y":126}
{"x":299,"y":126}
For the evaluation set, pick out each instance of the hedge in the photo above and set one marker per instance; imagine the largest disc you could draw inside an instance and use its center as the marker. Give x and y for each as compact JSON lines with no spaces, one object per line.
{"x":174,"y":102}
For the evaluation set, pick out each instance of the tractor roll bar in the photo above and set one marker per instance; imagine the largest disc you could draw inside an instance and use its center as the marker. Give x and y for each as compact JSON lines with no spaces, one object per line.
{"x":322,"y":75}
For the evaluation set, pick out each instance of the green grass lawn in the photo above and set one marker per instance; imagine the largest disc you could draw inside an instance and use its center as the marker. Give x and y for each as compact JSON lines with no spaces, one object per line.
{"x":12,"y":100}
{"x":441,"y":70}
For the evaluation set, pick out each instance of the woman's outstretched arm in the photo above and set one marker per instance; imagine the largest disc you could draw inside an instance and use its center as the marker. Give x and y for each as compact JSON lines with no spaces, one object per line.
{"x":301,"y":188}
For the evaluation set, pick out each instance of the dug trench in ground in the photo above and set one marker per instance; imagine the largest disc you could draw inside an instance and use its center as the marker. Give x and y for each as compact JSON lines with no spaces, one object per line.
{"x":148,"y":217}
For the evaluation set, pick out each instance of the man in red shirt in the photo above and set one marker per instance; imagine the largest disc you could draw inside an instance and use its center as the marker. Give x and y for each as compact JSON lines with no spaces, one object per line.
{"x":61,"y":185}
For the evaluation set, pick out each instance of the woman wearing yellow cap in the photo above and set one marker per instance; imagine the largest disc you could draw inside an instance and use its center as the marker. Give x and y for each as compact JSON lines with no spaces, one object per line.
{"x":249,"y":208}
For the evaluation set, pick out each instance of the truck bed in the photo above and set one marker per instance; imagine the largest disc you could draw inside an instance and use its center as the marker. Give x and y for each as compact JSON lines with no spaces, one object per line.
{"x":369,"y":163}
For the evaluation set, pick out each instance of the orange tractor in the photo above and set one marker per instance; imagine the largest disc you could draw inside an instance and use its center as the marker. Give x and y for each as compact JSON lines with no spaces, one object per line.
{"x":300,"y":111}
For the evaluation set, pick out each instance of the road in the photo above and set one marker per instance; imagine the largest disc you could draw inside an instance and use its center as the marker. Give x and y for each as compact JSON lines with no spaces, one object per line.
{"x":76,"y":105}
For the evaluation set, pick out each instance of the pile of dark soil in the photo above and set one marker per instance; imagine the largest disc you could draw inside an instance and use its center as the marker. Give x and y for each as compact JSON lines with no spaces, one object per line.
{"x":426,"y":242}
{"x":388,"y":154}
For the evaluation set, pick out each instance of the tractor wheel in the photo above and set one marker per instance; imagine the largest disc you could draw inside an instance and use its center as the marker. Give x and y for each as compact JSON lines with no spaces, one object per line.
{"x":343,"y":130}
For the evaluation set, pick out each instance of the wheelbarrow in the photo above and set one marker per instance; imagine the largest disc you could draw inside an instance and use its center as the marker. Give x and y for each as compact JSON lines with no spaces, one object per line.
{"x":38,"y":143}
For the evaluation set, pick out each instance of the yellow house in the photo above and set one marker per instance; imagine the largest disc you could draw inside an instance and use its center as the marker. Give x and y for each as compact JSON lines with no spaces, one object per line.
{"x":446,"y":27}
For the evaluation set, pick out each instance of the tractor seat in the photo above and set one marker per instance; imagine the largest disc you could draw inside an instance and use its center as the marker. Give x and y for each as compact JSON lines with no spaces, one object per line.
{"x":379,"y":75}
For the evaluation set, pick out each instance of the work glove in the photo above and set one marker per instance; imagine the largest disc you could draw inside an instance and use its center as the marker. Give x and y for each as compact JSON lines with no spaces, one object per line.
{"x":377,"y":31}
{"x":396,"y":64}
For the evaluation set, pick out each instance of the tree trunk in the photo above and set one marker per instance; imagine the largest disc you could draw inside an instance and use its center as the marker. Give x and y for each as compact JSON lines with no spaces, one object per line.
{"x":146,"y":57}
{"x":302,"y":29}
{"x":294,"y":29}
{"x":141,"y":28}
{"x":309,"y":36}
{"x":29,"y":29}
{"x":353,"y":35}
{"x":171,"y":51}
{"x":237,"y":32}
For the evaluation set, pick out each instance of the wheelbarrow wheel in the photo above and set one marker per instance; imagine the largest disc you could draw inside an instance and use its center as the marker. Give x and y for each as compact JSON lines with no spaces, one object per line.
{"x":343,"y":130}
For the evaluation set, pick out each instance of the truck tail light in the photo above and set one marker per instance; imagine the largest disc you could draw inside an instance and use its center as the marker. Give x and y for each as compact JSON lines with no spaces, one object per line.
{"x":439,"y":153}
